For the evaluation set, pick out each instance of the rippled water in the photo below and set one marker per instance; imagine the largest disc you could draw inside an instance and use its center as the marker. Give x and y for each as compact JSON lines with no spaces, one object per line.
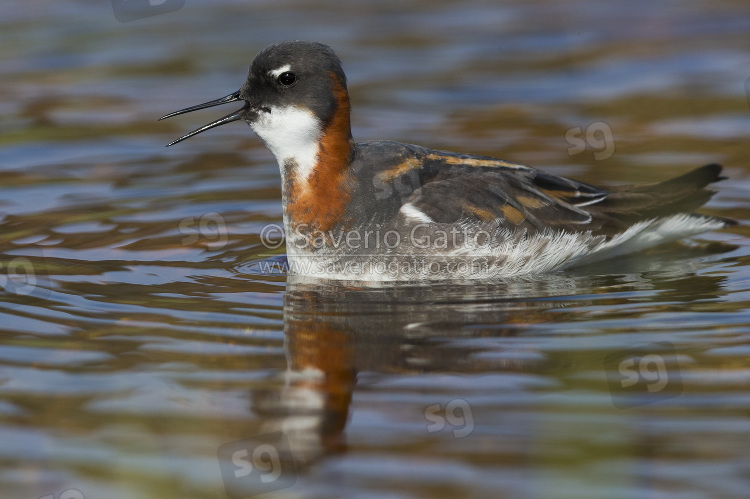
{"x":143,"y":353}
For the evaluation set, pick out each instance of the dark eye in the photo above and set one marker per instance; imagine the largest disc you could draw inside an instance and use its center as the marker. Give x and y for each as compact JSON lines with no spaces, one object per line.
{"x":287,"y":78}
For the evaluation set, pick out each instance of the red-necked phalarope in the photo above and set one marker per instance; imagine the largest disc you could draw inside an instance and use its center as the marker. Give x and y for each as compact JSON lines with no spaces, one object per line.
{"x":384,"y":210}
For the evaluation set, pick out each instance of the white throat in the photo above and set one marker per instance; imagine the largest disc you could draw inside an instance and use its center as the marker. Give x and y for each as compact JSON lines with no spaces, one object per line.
{"x":291,"y":134}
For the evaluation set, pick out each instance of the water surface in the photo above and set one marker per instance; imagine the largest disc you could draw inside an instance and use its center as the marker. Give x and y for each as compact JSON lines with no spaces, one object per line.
{"x":139,"y":341}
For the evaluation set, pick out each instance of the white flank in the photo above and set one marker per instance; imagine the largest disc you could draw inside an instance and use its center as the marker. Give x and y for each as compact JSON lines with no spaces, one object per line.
{"x":290,"y":133}
{"x":650,"y":233}
{"x":413,"y":213}
{"x":510,"y":254}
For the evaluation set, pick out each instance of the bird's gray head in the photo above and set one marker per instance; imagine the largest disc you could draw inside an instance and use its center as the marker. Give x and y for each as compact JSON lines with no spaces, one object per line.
{"x":294,"y":91}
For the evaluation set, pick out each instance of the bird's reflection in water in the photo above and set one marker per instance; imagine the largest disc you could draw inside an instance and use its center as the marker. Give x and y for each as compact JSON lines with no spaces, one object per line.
{"x":335,"y":330}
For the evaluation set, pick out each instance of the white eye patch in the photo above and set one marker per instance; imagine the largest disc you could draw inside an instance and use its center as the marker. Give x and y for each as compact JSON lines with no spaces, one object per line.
{"x":283,"y":69}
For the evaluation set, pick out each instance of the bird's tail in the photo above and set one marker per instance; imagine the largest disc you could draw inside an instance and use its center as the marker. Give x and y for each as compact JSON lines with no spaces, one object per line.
{"x":684,"y":194}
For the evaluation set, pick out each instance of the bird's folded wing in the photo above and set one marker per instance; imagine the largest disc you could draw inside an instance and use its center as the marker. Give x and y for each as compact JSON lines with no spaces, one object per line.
{"x":514,"y":199}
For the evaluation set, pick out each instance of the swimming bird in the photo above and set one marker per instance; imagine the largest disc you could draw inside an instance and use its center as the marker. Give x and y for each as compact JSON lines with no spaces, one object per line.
{"x":384,"y":210}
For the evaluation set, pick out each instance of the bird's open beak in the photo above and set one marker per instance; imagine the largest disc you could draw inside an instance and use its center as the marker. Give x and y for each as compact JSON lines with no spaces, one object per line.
{"x":235,"y":116}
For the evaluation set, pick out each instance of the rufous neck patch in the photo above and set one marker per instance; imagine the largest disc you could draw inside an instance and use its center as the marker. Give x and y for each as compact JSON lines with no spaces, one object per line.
{"x":319,"y":201}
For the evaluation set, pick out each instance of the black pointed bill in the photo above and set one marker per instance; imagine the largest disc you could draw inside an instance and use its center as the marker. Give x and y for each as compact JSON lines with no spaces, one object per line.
{"x":235,"y":116}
